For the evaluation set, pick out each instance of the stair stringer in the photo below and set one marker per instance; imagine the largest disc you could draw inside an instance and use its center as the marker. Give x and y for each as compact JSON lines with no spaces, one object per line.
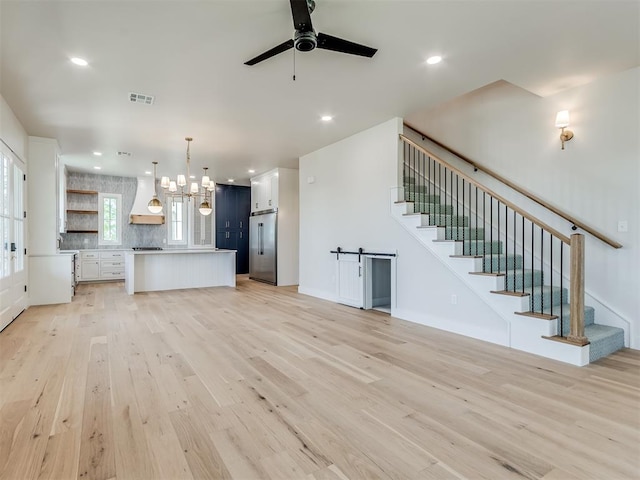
{"x":524,"y":333}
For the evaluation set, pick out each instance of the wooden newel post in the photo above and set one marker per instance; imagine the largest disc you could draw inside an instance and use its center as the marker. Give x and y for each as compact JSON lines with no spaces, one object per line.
{"x":576,"y":296}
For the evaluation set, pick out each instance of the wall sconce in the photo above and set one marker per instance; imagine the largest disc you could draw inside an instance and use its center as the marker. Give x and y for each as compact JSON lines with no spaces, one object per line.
{"x":562,"y":121}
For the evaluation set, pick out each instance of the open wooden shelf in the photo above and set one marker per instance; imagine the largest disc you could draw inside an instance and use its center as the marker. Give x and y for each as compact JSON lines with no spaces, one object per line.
{"x":83,"y":192}
{"x":82,"y":231}
{"x":87,"y":212}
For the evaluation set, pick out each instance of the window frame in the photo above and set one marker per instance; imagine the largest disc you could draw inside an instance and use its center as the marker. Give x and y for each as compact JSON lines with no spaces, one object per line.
{"x":169,"y":202}
{"x":190,"y":215}
{"x":101,"y":198}
{"x":195,"y":215}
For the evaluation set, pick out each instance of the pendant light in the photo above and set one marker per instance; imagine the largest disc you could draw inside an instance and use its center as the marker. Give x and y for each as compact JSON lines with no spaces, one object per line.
{"x":191,"y":190}
{"x":155,"y":205}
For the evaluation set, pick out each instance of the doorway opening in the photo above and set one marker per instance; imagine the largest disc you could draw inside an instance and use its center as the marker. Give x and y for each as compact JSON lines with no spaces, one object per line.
{"x":379,"y":289}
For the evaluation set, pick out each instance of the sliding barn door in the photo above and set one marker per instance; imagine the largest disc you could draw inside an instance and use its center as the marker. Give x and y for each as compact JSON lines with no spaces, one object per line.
{"x":350,"y":280}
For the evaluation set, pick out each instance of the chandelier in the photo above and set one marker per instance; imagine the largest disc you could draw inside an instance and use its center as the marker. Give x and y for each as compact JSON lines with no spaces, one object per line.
{"x":170,"y":188}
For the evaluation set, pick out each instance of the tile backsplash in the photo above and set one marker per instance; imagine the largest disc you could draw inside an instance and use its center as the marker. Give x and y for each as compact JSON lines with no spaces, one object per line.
{"x":132,"y":235}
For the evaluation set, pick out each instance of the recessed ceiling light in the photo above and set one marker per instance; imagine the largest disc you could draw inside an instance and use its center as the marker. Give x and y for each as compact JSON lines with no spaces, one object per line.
{"x":97,"y":168}
{"x":192,"y":177}
{"x":81,"y":62}
{"x":97,"y":154}
{"x":251,"y":170}
{"x":326,"y":118}
{"x":147,"y":173}
{"x":231,"y":180}
{"x":433,"y":60}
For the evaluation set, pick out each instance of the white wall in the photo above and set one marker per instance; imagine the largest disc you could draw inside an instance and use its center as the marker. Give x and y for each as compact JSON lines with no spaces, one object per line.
{"x":11,"y":131}
{"x":595,"y":179}
{"x":348,"y":206}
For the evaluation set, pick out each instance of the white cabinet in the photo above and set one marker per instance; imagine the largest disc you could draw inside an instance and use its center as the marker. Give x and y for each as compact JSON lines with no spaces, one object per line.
{"x":43,"y":197}
{"x":51,"y":284}
{"x":264,"y":191}
{"x":89,"y":265}
{"x":78,"y":269}
{"x":101,"y":265}
{"x":272,"y":187}
{"x":256,"y":193}
{"x":111,"y":265}
{"x":62,"y":200}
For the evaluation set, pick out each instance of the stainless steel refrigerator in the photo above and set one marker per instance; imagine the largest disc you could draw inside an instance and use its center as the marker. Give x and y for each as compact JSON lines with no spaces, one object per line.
{"x":262,"y":246}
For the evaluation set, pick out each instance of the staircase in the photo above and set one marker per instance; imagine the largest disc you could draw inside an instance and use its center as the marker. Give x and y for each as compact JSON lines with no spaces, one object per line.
{"x":515,"y":262}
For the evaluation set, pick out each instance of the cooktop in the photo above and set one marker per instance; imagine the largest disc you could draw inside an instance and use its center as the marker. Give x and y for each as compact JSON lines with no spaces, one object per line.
{"x":147,"y":248}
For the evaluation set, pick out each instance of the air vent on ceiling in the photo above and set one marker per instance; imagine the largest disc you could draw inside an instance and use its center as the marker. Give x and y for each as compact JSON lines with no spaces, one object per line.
{"x":141,"y":98}
{"x":127,"y":154}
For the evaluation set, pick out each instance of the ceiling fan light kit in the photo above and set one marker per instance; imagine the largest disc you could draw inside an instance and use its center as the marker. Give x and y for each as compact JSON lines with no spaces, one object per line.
{"x":305,"y":38}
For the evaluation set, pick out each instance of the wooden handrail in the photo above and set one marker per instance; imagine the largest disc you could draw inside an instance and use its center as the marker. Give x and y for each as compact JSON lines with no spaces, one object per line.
{"x":518,"y":189}
{"x":498,"y":197}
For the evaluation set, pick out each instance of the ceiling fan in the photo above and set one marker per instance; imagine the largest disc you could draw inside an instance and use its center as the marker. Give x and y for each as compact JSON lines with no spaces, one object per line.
{"x":305,"y":38}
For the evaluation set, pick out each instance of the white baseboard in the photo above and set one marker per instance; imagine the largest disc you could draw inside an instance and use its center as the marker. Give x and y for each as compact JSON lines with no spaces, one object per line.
{"x":315,"y":292}
{"x":494,"y":332}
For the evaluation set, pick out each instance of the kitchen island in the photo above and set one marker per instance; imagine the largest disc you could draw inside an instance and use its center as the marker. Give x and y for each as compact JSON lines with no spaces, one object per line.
{"x":172,"y":269}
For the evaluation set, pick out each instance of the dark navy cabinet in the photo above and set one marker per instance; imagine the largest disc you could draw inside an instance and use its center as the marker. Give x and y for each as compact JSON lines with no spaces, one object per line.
{"x":232,"y":207}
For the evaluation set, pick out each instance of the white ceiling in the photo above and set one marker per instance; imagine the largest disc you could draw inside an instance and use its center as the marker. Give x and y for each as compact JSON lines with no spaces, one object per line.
{"x":190,"y":55}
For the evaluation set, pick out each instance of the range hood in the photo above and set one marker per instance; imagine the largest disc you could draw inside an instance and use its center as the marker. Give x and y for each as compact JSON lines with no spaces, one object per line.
{"x":140,"y":214}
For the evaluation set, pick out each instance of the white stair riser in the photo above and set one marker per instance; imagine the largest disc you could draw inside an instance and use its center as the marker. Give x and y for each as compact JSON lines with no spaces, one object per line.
{"x":402,"y":208}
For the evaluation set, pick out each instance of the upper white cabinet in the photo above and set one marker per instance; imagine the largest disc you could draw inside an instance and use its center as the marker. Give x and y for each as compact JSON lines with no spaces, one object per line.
{"x":264,"y":191}
{"x":62,"y":199}
{"x":43,"y":179}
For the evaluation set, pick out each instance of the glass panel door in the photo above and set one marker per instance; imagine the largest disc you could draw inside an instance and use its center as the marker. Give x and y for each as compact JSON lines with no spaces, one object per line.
{"x":13,"y":276}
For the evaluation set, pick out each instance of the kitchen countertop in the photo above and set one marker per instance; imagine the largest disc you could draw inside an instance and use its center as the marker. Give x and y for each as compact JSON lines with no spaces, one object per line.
{"x":170,"y":251}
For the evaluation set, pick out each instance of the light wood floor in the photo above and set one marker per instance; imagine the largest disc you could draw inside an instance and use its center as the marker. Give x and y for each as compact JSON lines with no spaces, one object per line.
{"x":260,"y":382}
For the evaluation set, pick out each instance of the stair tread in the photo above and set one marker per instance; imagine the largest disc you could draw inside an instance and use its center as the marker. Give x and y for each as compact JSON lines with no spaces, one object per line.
{"x":518,"y":272}
{"x":604,"y":340}
{"x":566,"y":308}
{"x":510,"y":293}
{"x":543,"y":316}
{"x":545,"y":288}
{"x":598,"y":331}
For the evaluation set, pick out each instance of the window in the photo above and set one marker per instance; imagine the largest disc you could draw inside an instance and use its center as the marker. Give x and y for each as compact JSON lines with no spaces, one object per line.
{"x":202,"y":229}
{"x":18,"y":216}
{"x":186,"y":226}
{"x":5,"y":217}
{"x":12,"y":227}
{"x":109,"y":219}
{"x":176,"y":221}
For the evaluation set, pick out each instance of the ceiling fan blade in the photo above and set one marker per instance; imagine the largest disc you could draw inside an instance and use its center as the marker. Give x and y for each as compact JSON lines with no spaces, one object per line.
{"x":301,"y":16}
{"x":336,"y":44}
{"x":283,"y":47}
